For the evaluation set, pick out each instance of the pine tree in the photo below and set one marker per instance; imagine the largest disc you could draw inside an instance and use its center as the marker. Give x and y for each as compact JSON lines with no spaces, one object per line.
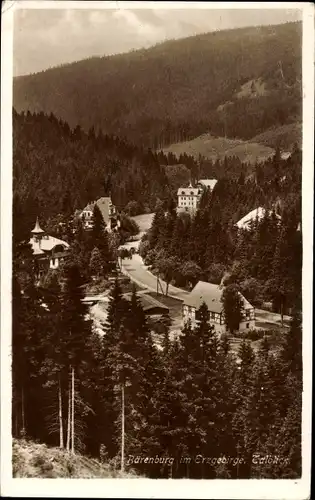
{"x":77,"y":329}
{"x":232,"y":306}
{"x":100,"y":238}
{"x":292,"y":349}
{"x":96,"y":263}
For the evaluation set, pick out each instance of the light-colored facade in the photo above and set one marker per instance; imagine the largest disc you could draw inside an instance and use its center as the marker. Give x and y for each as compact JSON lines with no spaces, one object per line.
{"x":108,"y":211}
{"x":48,"y":251}
{"x":189,"y":197}
{"x":211,"y":294}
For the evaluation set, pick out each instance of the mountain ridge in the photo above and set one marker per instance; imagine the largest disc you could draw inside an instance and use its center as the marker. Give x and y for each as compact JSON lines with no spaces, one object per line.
{"x":173,"y":90}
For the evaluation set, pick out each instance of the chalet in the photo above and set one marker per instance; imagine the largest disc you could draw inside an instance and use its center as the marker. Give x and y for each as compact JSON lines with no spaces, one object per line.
{"x":211,"y":294}
{"x":255,"y":215}
{"x":107,"y":209}
{"x":48,"y":251}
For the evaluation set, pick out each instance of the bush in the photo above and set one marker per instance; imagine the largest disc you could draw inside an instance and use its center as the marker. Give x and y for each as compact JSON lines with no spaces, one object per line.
{"x":250,"y":334}
{"x":215,"y":273}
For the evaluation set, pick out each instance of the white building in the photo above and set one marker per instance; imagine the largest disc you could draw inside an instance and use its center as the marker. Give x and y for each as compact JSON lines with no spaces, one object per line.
{"x":255,"y":215}
{"x":211,"y":294}
{"x":188,"y":199}
{"x":107,"y":209}
{"x":48,"y":251}
{"x":207,"y":183}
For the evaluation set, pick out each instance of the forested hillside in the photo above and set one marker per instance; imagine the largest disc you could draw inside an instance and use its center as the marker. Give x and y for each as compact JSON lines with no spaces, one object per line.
{"x":265,"y":261}
{"x":58,"y":170}
{"x":237,"y":83}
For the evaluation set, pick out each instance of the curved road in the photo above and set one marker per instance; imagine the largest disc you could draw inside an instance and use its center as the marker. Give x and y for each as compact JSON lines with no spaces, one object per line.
{"x":137,"y":270}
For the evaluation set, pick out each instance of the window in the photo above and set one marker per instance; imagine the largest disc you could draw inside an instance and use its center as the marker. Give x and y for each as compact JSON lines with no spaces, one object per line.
{"x":212,"y":316}
{"x":247,"y":325}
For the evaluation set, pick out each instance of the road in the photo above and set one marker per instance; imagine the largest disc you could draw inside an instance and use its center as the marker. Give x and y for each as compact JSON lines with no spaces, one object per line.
{"x":138,"y":272}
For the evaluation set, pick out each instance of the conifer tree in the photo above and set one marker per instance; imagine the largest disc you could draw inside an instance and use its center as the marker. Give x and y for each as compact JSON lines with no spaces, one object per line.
{"x":232,"y":307}
{"x":96,"y":263}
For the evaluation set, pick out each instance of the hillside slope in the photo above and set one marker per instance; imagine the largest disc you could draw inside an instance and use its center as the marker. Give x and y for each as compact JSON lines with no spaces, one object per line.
{"x":236,"y":83}
{"x":215,"y":148}
{"x":35,"y":460}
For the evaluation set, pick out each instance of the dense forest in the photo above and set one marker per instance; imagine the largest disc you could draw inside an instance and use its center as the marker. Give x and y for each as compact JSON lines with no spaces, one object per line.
{"x":236,"y":83}
{"x":264,"y":261}
{"x":194,"y":408}
{"x":191,"y":410}
{"x":57,"y":170}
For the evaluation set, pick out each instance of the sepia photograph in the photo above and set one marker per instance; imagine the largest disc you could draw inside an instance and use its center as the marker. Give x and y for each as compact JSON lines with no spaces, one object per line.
{"x":156,"y":243}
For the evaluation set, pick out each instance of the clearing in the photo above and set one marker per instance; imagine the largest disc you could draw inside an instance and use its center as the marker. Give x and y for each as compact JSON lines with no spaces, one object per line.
{"x":218,"y":147}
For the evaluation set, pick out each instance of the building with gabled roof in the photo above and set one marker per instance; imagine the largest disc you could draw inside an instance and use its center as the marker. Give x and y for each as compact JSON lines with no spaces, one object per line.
{"x":255,"y":215}
{"x":211,"y":295}
{"x":48,"y":251}
{"x":107,"y":209}
{"x":189,"y":197}
{"x":207,"y":183}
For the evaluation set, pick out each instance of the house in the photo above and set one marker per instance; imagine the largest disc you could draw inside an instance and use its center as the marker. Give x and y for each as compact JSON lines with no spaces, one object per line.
{"x":48,"y":251}
{"x":108,"y":211}
{"x":211,"y":294}
{"x":255,"y":215}
{"x":188,"y":199}
{"x":207,"y":184}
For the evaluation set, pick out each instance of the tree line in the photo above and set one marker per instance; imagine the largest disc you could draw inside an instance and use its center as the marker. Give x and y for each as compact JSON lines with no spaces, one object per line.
{"x":117,"y":396}
{"x":265,"y":260}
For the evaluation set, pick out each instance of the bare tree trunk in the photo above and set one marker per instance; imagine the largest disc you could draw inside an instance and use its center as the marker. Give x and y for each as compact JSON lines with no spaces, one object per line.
{"x":122,"y":426}
{"x":69,"y":422}
{"x":61,"y":445}
{"x":72,"y":412}
{"x":166,"y":292}
{"x":23,"y":412}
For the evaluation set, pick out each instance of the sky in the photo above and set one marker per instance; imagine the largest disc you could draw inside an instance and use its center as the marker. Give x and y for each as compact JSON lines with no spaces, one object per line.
{"x":45,"y":38}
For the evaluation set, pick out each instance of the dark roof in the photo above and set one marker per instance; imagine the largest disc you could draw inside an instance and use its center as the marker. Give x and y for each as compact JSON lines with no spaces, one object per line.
{"x":149,"y":303}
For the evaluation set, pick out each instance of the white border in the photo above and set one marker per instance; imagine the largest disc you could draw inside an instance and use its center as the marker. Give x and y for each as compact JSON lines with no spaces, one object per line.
{"x":146,"y":488}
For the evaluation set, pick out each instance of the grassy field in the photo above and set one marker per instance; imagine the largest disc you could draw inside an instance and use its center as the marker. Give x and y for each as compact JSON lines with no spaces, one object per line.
{"x":144,"y":221}
{"x":218,"y":147}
